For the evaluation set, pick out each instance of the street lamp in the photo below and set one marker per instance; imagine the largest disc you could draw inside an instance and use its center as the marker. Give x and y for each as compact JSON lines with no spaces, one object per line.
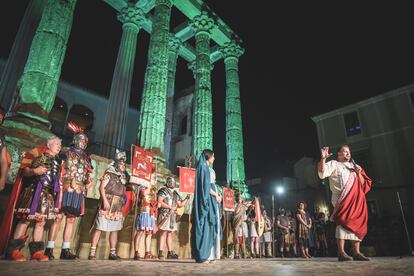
{"x":279,"y":190}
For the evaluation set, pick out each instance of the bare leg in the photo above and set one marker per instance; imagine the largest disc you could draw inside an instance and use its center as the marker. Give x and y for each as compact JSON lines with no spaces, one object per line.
{"x":307,"y":252}
{"x":95,"y":238}
{"x":341,"y":246}
{"x":295,"y":250}
{"x":138,"y":236}
{"x":244,"y":248}
{"x":54,"y":228}
{"x":236,"y":248}
{"x":148,"y":238}
{"x":257,"y":246}
{"x":67,"y":235}
{"x":21,"y":229}
{"x":38,"y":231}
{"x":302,"y":248}
{"x":113,"y":239}
{"x":170,"y":241}
{"x":355,"y":247}
{"x":161,"y":242}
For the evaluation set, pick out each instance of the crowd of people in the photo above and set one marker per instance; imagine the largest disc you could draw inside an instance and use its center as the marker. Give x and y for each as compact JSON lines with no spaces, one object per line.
{"x":52,"y":183}
{"x":297,"y":234}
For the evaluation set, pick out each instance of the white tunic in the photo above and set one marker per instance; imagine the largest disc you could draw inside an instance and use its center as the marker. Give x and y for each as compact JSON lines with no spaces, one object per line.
{"x":338,"y":174}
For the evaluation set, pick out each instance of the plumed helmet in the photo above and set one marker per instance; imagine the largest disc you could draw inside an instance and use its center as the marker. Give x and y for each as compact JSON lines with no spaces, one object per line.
{"x":80,"y":140}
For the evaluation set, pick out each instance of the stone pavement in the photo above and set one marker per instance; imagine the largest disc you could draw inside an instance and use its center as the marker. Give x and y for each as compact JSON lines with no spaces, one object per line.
{"x":315,"y":266}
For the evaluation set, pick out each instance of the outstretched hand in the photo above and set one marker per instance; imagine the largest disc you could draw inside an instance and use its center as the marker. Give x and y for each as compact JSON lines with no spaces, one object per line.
{"x":325,"y":153}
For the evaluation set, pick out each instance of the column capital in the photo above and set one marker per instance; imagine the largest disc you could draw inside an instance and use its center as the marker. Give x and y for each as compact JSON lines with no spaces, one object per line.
{"x":203,"y":23}
{"x":164,"y":2}
{"x":174,"y":43}
{"x":191,"y":65}
{"x":131,"y":15}
{"x":231,"y":50}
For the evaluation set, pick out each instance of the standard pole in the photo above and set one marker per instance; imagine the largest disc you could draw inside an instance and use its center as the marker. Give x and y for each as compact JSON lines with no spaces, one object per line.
{"x":273,"y":226}
{"x":405,"y":224}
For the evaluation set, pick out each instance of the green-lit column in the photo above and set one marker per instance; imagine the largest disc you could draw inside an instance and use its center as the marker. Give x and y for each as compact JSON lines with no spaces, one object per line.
{"x":19,"y":52}
{"x":28,"y":125}
{"x":154,"y":97}
{"x":174,"y":45}
{"x":203,"y":109}
{"x":38,"y":84}
{"x":234,"y":129}
{"x":117,"y":114}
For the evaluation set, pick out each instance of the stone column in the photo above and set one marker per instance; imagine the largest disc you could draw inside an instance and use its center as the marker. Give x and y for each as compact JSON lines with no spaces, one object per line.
{"x":203,"y":109}
{"x":174,"y":45}
{"x":234,"y":129}
{"x":19,"y":52}
{"x":154,"y":97}
{"x":117,"y":114}
{"x":38,"y":84}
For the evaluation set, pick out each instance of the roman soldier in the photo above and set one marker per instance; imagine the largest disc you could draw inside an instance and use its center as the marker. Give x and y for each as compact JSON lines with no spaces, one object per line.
{"x":110,"y":217}
{"x":75,"y":180}
{"x":145,"y":220}
{"x":168,"y":201}
{"x":37,"y":187}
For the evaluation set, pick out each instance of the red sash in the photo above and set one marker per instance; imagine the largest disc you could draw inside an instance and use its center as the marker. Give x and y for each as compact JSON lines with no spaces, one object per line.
{"x":351,"y":211}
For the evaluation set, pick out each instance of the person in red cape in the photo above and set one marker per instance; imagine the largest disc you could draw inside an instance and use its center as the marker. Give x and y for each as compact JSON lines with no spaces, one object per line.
{"x":349,"y":184}
{"x":5,"y":159}
{"x":33,"y":199}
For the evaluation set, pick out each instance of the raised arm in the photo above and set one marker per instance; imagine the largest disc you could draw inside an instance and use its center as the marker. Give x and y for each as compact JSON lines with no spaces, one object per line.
{"x":325,"y":169}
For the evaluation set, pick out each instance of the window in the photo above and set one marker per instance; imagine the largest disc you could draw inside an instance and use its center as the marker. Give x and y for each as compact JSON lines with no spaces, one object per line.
{"x":183,"y":126}
{"x":352,"y":125}
{"x":57,"y":115}
{"x":81,"y":115}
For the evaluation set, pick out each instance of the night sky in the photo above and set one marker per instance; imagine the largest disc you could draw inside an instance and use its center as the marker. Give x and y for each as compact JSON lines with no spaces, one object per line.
{"x":302,"y":59}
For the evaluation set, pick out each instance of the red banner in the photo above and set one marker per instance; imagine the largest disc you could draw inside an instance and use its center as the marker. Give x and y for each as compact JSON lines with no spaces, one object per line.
{"x":141,"y":165}
{"x":228,"y":199}
{"x":187,"y":180}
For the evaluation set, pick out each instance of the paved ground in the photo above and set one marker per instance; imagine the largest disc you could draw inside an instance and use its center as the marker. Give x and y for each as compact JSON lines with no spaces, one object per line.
{"x":316,"y":266}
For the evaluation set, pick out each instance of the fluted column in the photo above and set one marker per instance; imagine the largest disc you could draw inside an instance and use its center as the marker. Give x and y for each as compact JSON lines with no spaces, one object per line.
{"x":234,"y":129}
{"x":154,"y":97}
{"x":174,"y":45}
{"x":38,"y":84}
{"x":117,"y":114}
{"x":203,"y":109}
{"x":19,"y":52}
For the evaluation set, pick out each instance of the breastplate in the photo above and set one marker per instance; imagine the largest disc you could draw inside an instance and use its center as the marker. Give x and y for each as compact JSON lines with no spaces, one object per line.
{"x":76,"y":168}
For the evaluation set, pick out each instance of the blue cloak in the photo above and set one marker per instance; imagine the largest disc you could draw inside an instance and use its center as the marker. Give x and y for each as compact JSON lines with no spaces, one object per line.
{"x":204,"y":217}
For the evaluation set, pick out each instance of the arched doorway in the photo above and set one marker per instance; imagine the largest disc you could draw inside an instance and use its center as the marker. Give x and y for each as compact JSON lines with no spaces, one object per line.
{"x":57,"y":116}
